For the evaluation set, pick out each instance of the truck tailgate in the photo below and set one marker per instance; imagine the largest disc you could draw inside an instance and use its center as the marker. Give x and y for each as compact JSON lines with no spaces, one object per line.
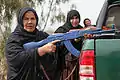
{"x":107,"y":59}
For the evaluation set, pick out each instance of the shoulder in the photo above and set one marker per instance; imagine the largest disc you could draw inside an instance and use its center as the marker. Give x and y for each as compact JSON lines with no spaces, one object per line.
{"x":80,"y":26}
{"x":42,"y":35}
{"x":60,"y":29}
{"x":12,"y":39}
{"x":63,"y":29}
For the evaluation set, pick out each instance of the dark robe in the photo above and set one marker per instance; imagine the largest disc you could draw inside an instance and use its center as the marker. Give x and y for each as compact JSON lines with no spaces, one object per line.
{"x":69,"y":61}
{"x":25,"y":64}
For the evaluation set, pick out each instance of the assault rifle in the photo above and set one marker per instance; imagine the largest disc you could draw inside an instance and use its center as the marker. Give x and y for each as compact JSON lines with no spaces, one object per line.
{"x":65,"y":38}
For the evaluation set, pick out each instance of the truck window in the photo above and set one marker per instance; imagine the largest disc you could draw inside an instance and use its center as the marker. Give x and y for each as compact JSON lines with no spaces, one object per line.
{"x":113,"y":17}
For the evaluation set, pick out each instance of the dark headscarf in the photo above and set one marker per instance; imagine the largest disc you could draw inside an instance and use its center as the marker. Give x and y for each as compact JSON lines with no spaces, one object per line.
{"x":71,"y":14}
{"x":67,"y":26}
{"x":22,"y":12}
{"x":36,"y":35}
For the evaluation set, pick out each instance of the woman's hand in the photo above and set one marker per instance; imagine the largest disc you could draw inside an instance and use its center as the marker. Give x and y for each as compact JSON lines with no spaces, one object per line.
{"x":47,"y":48}
{"x":89,"y":35}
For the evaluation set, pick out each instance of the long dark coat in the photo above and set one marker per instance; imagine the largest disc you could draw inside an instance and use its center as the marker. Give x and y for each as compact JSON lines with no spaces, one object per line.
{"x":69,"y":60}
{"x":25,"y":64}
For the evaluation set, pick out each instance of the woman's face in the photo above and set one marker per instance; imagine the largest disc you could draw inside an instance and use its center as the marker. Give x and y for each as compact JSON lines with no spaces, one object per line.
{"x":88,"y":22}
{"x":74,"y":21}
{"x":29,"y":21}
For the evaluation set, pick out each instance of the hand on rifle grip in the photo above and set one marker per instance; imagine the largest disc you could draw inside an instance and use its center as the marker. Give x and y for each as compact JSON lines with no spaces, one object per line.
{"x":47,"y":48}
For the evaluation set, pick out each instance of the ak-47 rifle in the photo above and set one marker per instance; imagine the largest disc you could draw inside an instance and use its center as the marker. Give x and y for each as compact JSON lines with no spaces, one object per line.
{"x":65,"y":38}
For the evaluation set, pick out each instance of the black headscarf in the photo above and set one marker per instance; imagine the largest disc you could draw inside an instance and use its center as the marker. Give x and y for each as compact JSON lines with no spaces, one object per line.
{"x":67,"y":26}
{"x":35,"y":35}
{"x":71,"y":14}
{"x":22,"y":12}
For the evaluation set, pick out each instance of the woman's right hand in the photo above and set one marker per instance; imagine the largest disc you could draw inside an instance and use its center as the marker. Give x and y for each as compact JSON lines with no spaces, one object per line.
{"x":47,"y":48}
